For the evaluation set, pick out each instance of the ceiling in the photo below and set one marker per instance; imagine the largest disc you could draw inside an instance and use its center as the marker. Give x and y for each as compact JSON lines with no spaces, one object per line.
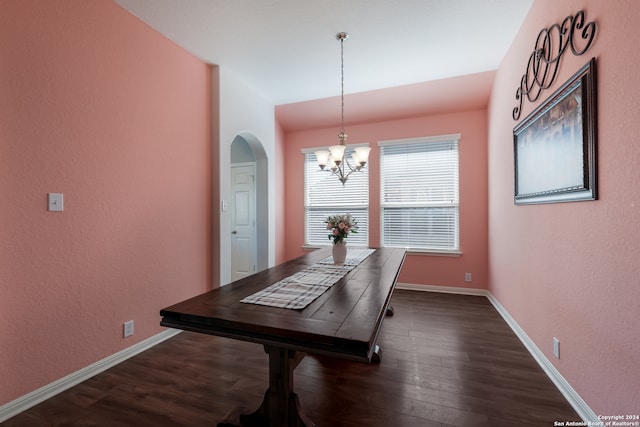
{"x":287,"y":50}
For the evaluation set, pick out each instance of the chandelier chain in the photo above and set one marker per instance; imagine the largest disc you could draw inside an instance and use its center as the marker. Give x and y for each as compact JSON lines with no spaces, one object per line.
{"x":342,"y":82}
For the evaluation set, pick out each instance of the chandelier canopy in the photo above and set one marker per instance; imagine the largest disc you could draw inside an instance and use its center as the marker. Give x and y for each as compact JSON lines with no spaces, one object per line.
{"x":340,"y":166}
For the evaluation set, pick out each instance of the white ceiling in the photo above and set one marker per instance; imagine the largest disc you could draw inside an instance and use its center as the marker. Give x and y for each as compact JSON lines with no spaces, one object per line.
{"x":287,"y":50}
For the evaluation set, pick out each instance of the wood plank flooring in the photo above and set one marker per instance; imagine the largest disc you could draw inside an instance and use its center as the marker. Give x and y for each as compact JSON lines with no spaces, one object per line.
{"x":448,"y":360}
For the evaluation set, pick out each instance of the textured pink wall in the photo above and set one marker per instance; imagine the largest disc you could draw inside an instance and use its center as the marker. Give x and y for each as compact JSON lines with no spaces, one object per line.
{"x":571,"y":270}
{"x":418,"y":269}
{"x":98,"y":106}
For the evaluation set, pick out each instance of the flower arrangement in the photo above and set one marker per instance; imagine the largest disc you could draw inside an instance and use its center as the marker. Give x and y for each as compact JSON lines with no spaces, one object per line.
{"x":341,"y":226}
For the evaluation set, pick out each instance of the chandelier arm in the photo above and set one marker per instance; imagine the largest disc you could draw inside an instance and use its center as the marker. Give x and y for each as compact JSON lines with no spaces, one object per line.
{"x":349,"y":165}
{"x":350,"y":172}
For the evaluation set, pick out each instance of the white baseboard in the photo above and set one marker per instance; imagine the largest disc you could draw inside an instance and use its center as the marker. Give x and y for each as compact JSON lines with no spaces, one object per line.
{"x":25,"y":402}
{"x":574,"y":399}
{"x":442,"y":289}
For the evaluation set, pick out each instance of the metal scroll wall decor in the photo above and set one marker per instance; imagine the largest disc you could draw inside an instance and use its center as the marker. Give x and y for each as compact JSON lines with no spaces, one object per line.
{"x":551,"y":44}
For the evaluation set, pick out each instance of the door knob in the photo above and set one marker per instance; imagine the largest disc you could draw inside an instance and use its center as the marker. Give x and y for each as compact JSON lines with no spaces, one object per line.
{"x":234,"y":232}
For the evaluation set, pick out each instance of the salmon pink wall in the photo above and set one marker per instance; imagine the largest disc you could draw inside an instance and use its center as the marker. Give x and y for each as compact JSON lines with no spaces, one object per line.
{"x":570,"y":270}
{"x":418,"y":269}
{"x":98,"y":106}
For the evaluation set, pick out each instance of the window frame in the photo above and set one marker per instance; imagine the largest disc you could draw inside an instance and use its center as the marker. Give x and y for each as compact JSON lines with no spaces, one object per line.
{"x":454,"y":250}
{"x":337,"y":208}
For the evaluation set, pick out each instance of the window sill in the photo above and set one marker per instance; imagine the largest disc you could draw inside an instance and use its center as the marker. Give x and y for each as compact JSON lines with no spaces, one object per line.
{"x":420,"y":252}
{"x":426,"y":252}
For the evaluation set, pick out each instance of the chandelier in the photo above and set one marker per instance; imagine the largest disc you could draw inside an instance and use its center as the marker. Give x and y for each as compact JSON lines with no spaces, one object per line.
{"x":340,"y":166}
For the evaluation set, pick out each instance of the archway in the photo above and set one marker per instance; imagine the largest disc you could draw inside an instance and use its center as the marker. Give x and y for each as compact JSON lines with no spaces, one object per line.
{"x":247,"y":154}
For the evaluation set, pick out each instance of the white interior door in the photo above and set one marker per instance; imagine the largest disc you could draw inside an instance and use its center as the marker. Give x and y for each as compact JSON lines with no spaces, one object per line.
{"x":243,"y":221}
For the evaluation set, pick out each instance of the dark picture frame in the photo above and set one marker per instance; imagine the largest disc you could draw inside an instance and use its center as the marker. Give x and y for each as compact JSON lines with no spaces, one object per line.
{"x":555,"y":145}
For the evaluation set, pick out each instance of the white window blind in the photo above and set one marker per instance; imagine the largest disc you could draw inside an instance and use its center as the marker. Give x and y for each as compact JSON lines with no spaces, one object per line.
{"x":324,"y":196}
{"x":419,"y":193}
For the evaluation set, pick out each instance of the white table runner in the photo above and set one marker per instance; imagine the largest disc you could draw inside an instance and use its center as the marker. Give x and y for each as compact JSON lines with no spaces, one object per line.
{"x":302,"y":288}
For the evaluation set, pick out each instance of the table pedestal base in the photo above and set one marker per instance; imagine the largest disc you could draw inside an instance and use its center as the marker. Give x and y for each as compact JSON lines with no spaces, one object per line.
{"x":280,"y":406}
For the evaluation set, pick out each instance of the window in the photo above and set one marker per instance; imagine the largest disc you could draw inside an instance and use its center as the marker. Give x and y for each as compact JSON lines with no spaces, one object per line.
{"x":324,"y":195}
{"x":419,"y":193}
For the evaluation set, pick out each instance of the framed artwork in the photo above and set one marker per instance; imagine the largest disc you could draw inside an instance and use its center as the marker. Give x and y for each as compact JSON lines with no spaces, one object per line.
{"x":555,"y":146}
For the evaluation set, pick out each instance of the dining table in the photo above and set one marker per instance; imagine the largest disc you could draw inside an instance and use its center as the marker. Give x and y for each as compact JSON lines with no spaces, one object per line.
{"x":341,"y":321}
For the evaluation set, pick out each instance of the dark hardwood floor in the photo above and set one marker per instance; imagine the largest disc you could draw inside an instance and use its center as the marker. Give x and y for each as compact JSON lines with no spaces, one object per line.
{"x":448,"y":360}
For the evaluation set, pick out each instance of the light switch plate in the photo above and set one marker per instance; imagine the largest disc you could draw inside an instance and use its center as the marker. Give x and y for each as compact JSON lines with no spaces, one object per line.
{"x":56,"y":202}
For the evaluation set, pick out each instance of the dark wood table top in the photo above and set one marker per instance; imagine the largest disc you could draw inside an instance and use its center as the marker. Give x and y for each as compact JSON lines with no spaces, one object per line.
{"x":342,"y":322}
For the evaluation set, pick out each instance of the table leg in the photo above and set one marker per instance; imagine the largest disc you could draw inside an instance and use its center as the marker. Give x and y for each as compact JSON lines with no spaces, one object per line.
{"x":377,"y":354}
{"x":280,"y":406}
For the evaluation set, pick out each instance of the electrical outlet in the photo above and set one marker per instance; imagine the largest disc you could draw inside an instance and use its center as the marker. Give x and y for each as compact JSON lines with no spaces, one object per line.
{"x":128,"y":328}
{"x":556,"y":347}
{"x":56,"y":202}
{"x":467,"y":277}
